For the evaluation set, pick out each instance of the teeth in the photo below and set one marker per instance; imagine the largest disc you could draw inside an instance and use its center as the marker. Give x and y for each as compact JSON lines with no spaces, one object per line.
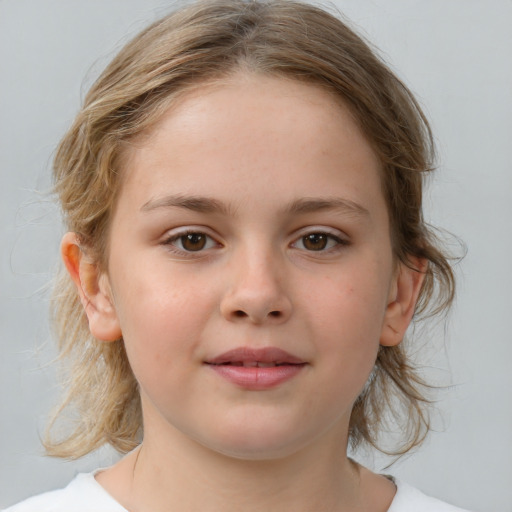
{"x":252,"y":364}
{"x":255,"y":364}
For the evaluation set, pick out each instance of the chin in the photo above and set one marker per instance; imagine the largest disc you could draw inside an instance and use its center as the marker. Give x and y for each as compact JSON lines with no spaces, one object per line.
{"x":256,"y":452}
{"x":256,"y":444}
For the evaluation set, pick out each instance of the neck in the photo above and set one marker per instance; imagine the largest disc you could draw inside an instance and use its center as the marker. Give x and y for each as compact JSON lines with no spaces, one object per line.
{"x":170,"y":471}
{"x":155,"y":477}
{"x":220,"y":483}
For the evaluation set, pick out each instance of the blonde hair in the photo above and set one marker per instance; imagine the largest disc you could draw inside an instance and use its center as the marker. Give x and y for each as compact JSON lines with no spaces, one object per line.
{"x":206,"y":41}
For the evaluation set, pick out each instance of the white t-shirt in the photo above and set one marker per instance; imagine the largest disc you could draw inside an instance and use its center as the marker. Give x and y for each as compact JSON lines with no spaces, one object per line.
{"x":85,"y":494}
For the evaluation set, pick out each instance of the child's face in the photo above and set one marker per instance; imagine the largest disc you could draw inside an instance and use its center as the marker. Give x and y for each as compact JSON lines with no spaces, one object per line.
{"x":252,"y":220}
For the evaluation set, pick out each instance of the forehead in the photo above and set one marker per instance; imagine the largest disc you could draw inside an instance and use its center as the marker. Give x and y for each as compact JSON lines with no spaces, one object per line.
{"x":251,"y":129}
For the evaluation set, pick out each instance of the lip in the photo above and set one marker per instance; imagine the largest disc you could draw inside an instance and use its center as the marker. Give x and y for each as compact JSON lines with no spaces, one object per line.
{"x":266,"y":355}
{"x":241,"y":366}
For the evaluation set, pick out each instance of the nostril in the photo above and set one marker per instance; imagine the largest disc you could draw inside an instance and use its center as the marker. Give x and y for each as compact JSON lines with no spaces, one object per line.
{"x":242,"y":314}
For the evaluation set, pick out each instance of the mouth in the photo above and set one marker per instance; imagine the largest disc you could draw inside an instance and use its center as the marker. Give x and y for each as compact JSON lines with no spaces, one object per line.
{"x":253,"y":364}
{"x":256,"y":369}
{"x":266,"y":357}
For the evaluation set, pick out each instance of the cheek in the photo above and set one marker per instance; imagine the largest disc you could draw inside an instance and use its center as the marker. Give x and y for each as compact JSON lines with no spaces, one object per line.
{"x":161,"y":321}
{"x":352,"y":302}
{"x":348,"y":317}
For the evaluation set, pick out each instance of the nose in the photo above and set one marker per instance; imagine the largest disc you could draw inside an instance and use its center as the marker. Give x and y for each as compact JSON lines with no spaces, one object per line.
{"x":256,"y":293}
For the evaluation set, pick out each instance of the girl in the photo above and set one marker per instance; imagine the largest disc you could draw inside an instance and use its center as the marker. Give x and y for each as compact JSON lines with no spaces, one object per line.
{"x":246,"y":250}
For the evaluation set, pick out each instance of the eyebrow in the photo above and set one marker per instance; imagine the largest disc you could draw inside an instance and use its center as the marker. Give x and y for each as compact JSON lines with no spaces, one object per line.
{"x":310,"y":205}
{"x":194,"y":203}
{"x":304,"y":205}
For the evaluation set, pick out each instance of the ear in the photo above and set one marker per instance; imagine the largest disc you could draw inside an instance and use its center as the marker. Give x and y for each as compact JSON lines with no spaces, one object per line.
{"x":402,"y":301}
{"x":93,"y":288}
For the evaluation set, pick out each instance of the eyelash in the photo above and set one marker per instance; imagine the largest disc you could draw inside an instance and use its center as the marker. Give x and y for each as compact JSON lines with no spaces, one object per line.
{"x":333,"y":242}
{"x":181,"y":236}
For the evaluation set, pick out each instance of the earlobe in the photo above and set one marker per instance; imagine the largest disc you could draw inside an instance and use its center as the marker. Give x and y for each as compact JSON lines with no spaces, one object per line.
{"x":402,"y":301}
{"x":93,"y":288}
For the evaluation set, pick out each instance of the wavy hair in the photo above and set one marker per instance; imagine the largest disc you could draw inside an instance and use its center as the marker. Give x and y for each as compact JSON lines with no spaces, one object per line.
{"x":203,"y":42}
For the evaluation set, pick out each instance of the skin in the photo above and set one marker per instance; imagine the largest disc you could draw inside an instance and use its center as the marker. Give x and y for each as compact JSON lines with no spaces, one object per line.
{"x":257,"y":151}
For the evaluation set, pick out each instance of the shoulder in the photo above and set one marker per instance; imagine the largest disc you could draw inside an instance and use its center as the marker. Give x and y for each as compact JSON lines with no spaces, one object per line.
{"x":409,"y":499}
{"x":83,"y":494}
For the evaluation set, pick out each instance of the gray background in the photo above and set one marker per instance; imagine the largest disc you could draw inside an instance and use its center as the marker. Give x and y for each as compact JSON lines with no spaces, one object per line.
{"x":454,"y":54}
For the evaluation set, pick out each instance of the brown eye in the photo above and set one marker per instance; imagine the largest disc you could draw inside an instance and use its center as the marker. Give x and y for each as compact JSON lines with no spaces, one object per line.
{"x":193,"y":241}
{"x":315,"y":241}
{"x":190,"y":242}
{"x":320,"y":241}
